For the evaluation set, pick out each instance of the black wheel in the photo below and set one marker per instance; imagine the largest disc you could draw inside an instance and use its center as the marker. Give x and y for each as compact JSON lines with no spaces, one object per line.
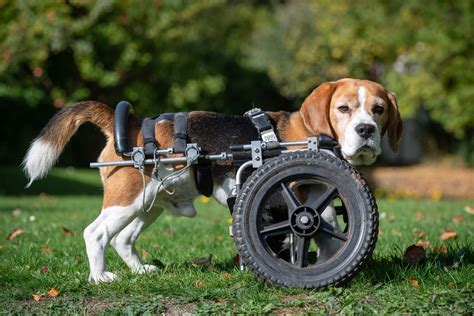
{"x":305,"y":219}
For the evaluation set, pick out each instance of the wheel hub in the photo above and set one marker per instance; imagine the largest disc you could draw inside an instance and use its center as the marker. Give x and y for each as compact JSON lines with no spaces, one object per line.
{"x":304,"y":221}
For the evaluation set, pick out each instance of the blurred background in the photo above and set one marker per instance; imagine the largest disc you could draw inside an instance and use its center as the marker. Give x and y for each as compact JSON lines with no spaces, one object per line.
{"x":229,"y":56}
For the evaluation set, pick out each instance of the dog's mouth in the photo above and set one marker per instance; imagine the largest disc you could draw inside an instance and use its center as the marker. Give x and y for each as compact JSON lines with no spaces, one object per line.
{"x":366,"y":154}
{"x":366,"y":149}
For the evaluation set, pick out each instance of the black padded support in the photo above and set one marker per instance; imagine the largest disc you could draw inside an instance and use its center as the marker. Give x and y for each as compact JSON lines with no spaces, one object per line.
{"x":120,"y":127}
{"x":180,"y":131}
{"x":203,"y":177}
{"x":148,"y":131}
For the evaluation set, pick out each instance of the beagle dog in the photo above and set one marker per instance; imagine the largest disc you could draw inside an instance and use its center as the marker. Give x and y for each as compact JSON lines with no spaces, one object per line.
{"x":357,"y":113}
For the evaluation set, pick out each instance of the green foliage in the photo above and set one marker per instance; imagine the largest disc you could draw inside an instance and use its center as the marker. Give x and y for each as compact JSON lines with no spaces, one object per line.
{"x":160,"y":55}
{"x":421,"y":51}
{"x":227,"y":56}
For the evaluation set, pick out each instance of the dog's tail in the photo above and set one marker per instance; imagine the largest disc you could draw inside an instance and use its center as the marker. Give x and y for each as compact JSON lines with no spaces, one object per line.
{"x":46,"y":148}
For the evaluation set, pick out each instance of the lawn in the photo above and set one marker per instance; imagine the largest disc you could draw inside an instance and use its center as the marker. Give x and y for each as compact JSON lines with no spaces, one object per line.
{"x":50,"y":254}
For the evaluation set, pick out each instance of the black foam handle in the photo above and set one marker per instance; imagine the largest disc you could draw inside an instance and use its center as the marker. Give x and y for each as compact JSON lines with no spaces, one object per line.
{"x":120,"y":127}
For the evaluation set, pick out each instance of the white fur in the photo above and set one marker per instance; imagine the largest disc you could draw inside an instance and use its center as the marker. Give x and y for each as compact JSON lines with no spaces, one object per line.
{"x":351,"y":142}
{"x":223,"y":189}
{"x":122,"y":225}
{"x":38,"y":161}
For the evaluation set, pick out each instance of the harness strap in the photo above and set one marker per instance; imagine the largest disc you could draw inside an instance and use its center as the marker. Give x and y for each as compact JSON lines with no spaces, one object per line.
{"x":180,"y":131}
{"x":264,"y":126}
{"x":148,"y":131}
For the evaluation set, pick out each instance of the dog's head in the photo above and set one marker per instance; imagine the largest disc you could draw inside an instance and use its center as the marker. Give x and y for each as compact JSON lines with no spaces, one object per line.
{"x":357,"y":113}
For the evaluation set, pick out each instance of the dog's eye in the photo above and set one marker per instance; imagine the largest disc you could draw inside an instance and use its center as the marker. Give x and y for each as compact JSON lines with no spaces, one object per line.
{"x":378,"y":109}
{"x":343,"y":109}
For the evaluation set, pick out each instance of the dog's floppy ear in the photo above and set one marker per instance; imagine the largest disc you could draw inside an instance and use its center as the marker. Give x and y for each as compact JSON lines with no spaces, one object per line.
{"x":315,"y":110}
{"x":394,"y":127}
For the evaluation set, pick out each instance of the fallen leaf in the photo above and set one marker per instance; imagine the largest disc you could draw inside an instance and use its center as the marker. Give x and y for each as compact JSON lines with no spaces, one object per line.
{"x":457,"y":219}
{"x":414,"y":283}
{"x":16,"y":212}
{"x":418,"y":233}
{"x":37,"y":297}
{"x":442,"y":249}
{"x":145,"y":254}
{"x":380,"y":231}
{"x":67,"y":231}
{"x":448,"y":234}
{"x":44,"y":270}
{"x":391,"y":218}
{"x":218,"y":238}
{"x":42,"y":196}
{"x":226,"y":275}
{"x":53,"y":292}
{"x":199,"y":283}
{"x":46,"y":249}
{"x":469,"y":209}
{"x":414,"y":254}
{"x":15,"y":233}
{"x":424,"y":243}
{"x":418,"y":217}
{"x":237,"y":260}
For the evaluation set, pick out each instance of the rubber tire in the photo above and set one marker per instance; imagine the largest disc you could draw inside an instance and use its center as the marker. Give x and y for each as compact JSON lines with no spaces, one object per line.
{"x":352,"y":188}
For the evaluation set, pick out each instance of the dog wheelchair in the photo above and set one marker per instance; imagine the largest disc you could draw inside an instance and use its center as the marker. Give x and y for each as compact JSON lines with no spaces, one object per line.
{"x":301,"y":215}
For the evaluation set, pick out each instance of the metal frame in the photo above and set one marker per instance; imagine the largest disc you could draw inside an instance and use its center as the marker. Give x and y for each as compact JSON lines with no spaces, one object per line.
{"x":192,"y":153}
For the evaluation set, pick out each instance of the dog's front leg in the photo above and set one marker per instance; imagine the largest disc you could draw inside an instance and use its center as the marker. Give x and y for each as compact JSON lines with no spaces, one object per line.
{"x":124,"y":241}
{"x":98,"y":235}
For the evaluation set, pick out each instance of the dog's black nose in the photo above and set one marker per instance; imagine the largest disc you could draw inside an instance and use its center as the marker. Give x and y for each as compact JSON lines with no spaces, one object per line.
{"x":365,"y":130}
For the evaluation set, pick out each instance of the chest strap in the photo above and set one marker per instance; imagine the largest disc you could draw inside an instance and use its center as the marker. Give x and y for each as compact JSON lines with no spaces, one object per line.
{"x":264,"y":126}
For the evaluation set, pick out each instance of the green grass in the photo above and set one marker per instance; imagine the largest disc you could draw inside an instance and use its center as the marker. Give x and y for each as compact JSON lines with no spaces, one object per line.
{"x":445,"y":280}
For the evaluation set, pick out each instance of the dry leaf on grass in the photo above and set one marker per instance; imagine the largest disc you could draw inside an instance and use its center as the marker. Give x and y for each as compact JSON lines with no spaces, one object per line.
{"x":53,"y":292}
{"x":414,"y":254}
{"x":226,"y":275}
{"x":199,"y":283}
{"x":424,"y":243}
{"x":418,"y":233}
{"x":16,"y":212}
{"x":414,"y":283}
{"x":15,"y":233}
{"x":67,"y":231}
{"x":145,"y":254}
{"x":37,"y":297}
{"x":448,"y":234}
{"x":418,"y":217}
{"x":457,"y":219}
{"x":44,"y":270}
{"x":469,"y":209}
{"x":441,"y":249}
{"x":46,"y":249}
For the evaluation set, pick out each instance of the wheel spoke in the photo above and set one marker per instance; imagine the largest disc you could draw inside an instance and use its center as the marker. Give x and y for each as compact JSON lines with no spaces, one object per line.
{"x":276,"y":229}
{"x":302,"y":248}
{"x":290,"y":199}
{"x":324,"y":200}
{"x":328,"y":229}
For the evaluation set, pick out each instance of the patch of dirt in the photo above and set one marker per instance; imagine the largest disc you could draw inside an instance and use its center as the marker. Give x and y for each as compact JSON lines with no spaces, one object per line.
{"x":95,"y":306}
{"x":173,"y":309}
{"x":422,"y":181}
{"x":292,"y":311}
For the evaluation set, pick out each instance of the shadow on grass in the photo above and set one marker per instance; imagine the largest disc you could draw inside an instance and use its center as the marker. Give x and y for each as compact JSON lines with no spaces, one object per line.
{"x":60,"y":181}
{"x":381,"y":271}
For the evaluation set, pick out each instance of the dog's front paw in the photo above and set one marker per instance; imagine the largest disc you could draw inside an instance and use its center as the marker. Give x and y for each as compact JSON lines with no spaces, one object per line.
{"x":102,"y":277}
{"x":146,"y":268}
